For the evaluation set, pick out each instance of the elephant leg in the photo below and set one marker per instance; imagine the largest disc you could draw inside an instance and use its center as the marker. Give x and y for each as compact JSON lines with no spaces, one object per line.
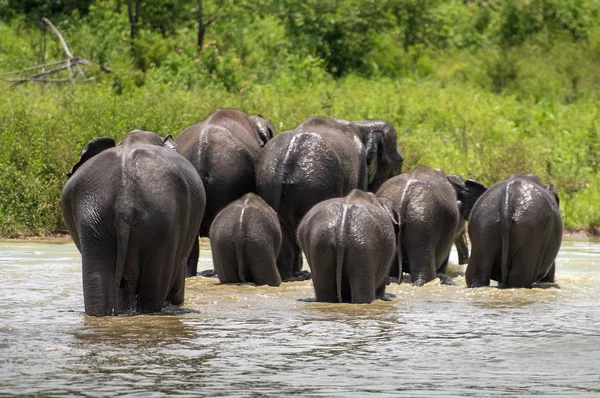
{"x":361,"y":270}
{"x":322,"y":266}
{"x":549,"y":277}
{"x":192,"y":261}
{"x":177,"y":294}
{"x":287,"y":259}
{"x":225,"y":261}
{"x":479,"y":269}
{"x":98,"y":270}
{"x":155,"y":273}
{"x":524,"y":267}
{"x":462,"y":248}
{"x":422,"y":266}
{"x":263,"y":268}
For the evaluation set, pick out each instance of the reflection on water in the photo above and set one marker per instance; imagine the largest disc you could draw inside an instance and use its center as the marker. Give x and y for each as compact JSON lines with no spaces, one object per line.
{"x":242,"y":340}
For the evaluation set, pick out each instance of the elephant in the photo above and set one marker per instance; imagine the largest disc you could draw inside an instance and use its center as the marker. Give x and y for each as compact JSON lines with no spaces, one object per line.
{"x":319,"y":160}
{"x":245,"y":241}
{"x":223,"y":149}
{"x":133,"y":211}
{"x":350,"y":245}
{"x":430,"y":205}
{"x":516,"y":232}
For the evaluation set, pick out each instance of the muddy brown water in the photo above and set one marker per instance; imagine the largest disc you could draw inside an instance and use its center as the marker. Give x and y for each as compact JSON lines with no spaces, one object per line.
{"x":261,"y":341}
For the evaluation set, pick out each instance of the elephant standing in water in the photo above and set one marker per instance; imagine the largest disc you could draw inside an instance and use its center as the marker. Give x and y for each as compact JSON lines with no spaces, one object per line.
{"x":319,"y":160}
{"x":429,"y":204}
{"x":350,"y":244}
{"x":223,"y":149}
{"x":516,"y":232}
{"x":245,"y":240}
{"x":133,"y":210}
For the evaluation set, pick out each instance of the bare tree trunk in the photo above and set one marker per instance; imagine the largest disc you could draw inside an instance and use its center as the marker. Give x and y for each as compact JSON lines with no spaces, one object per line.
{"x":202,"y":25}
{"x":134,"y":7}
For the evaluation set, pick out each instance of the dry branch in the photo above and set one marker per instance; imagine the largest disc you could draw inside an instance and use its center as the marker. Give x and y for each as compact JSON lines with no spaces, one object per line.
{"x":68,"y":64}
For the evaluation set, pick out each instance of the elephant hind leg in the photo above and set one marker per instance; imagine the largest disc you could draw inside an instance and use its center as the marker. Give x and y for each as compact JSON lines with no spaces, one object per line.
{"x":156,"y":273}
{"x":289,"y":261}
{"x":262,"y":268}
{"x":98,"y":270}
{"x":192,"y":260}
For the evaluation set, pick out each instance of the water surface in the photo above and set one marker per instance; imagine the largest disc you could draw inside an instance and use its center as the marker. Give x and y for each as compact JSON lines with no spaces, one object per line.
{"x":262,"y":341}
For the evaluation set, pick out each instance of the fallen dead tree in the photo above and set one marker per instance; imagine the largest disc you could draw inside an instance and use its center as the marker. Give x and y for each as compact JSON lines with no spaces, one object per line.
{"x":68,"y":64}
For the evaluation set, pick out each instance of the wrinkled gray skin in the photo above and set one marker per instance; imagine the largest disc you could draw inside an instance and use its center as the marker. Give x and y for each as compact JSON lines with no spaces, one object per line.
{"x":430,"y":205}
{"x":350,"y":244}
{"x":319,"y":160}
{"x":133,"y":211}
{"x":245,"y":240}
{"x":223,"y":149}
{"x":516,"y":232}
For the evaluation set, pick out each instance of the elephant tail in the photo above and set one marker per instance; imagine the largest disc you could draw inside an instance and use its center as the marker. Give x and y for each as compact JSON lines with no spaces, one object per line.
{"x":505,"y":216}
{"x":123,"y":228}
{"x":239,"y":248}
{"x":341,"y":251}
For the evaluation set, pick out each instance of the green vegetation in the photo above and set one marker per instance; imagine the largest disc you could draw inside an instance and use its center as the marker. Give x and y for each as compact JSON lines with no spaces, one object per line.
{"x":478,"y":88}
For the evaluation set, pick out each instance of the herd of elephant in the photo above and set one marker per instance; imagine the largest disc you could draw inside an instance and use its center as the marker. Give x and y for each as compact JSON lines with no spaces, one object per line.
{"x":330,"y":188}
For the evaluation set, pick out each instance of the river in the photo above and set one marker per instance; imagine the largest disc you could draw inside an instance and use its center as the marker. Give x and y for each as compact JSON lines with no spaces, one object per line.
{"x":247,"y":341}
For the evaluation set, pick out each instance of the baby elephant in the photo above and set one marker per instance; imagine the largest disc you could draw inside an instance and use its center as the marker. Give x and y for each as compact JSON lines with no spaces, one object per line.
{"x":516,"y":231}
{"x":245,"y":238}
{"x":350,"y":244}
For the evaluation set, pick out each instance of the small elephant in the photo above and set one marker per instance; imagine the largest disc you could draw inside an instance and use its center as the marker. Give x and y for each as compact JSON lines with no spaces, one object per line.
{"x":245,"y":241}
{"x":350,"y":244}
{"x":133,"y":211}
{"x":429,"y":204}
{"x":223,"y":149}
{"x":319,"y":160}
{"x":516,"y":232}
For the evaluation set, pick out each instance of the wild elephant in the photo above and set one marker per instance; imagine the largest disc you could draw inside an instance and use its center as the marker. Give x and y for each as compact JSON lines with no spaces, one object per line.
{"x":429,"y":204}
{"x":516,"y":232}
{"x":350,"y":244}
{"x":319,"y":160}
{"x":223,"y":149}
{"x":133,"y":211}
{"x":245,"y":238}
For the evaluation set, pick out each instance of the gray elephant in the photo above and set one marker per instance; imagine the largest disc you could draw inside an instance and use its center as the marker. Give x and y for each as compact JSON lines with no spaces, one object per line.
{"x":223,"y":149}
{"x":350,"y":245}
{"x":245,"y":240}
{"x":319,"y":160}
{"x":516,"y":232}
{"x":133,"y":211}
{"x":429,"y":204}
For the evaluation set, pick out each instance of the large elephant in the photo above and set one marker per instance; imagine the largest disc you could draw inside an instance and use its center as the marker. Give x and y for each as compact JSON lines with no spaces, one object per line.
{"x":516,"y":232}
{"x":429,"y":204}
{"x":223,"y":149}
{"x":133,"y":211}
{"x":319,"y":160}
{"x":245,"y":238}
{"x":350,"y":245}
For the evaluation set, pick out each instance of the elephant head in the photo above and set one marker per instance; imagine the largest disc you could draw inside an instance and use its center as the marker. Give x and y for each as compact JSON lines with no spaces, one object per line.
{"x":263,"y":127}
{"x":467,"y":193}
{"x":383,"y":158}
{"x":97,"y":145}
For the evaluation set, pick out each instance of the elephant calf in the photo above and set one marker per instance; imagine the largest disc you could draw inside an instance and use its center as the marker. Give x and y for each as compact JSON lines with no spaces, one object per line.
{"x":133,"y":211}
{"x":516,"y":232}
{"x":350,"y":244}
{"x":429,"y":204}
{"x":245,"y":238}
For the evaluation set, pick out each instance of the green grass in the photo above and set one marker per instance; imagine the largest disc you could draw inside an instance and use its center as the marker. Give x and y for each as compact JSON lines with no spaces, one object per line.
{"x":459,"y":127}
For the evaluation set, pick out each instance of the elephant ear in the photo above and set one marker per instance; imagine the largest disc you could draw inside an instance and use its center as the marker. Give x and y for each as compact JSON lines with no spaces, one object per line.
{"x":93,"y":148}
{"x":264,"y":128}
{"x":467,"y":193}
{"x":374,"y":148}
{"x":168,"y":142}
{"x":388,"y":206}
{"x":551,"y":191}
